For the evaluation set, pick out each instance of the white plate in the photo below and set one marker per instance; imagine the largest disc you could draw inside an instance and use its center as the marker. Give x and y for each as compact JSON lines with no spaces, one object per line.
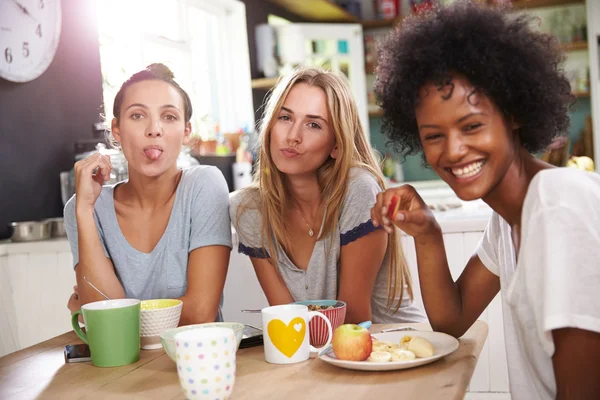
{"x":443,"y":345}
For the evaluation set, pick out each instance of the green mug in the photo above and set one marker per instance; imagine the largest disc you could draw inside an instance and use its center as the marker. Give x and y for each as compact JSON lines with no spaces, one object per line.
{"x":112,"y":331}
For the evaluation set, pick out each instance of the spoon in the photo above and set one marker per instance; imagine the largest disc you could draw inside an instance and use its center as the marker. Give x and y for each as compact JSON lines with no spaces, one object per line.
{"x":338,"y":304}
{"x":97,"y":290}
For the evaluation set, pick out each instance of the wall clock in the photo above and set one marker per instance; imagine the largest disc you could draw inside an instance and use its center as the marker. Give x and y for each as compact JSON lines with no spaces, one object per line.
{"x":29,"y":34}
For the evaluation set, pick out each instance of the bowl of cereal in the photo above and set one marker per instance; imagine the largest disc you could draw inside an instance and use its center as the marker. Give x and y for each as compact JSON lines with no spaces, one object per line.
{"x":334,"y":310}
{"x":156,"y":316}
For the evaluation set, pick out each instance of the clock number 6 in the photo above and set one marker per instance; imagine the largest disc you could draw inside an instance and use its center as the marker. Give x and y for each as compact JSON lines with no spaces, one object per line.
{"x":8,"y":55}
{"x":25,"y":49}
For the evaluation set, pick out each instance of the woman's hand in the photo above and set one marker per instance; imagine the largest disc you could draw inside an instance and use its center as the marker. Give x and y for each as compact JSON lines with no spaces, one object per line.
{"x":73,"y":304}
{"x":413,"y":216}
{"x":90,"y":175}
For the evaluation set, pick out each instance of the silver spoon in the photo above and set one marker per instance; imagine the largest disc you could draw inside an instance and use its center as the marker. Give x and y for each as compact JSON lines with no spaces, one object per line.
{"x":251,"y":311}
{"x":97,"y":290}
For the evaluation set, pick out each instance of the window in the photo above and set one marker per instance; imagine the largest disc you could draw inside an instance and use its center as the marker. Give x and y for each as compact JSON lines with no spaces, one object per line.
{"x":204,"y":43}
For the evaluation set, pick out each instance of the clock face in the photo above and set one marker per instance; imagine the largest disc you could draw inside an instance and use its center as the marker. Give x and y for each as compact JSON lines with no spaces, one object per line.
{"x":29,"y":34}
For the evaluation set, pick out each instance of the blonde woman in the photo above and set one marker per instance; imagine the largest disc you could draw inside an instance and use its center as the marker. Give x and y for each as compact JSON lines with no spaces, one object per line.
{"x":305,"y":220}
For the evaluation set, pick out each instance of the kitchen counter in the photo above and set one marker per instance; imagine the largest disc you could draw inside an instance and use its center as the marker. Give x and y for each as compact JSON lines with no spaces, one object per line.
{"x":42,"y":246}
{"x":453,"y":214}
{"x":469,"y":217}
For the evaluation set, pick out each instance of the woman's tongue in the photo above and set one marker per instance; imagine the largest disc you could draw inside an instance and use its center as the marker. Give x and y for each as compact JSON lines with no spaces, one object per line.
{"x":153,"y":154}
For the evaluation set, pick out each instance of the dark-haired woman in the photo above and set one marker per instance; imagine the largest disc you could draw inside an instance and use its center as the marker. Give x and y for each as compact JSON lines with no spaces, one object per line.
{"x":163,"y":233}
{"x":479,"y":92}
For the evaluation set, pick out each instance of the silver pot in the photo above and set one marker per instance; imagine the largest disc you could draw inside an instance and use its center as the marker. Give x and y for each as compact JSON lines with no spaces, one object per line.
{"x":30,"y":231}
{"x":57,"y":227}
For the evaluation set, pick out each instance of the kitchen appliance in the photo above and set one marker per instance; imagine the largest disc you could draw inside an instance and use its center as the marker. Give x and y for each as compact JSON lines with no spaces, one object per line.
{"x":57,"y":227}
{"x":29,"y":231}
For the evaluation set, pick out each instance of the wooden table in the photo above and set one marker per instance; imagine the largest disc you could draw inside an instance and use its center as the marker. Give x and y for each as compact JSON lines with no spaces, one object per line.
{"x":40,"y":371}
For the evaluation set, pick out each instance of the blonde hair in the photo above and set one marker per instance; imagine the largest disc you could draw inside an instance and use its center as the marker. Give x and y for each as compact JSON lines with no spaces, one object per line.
{"x":353,"y":150}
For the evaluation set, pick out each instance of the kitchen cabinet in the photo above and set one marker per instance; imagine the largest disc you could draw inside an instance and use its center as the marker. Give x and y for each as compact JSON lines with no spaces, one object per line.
{"x":36,"y":280}
{"x":336,"y":47}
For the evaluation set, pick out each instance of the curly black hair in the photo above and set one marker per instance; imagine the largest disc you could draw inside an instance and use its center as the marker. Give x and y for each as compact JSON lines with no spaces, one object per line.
{"x":500,"y":53}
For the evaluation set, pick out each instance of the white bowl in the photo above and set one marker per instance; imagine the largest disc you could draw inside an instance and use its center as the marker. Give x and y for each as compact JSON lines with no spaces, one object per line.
{"x":156,"y":316}
{"x":167,"y":338}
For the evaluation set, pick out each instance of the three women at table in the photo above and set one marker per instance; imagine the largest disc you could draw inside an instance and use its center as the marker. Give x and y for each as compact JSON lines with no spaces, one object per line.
{"x":479,"y":92}
{"x":305,"y":222}
{"x":163,"y":233}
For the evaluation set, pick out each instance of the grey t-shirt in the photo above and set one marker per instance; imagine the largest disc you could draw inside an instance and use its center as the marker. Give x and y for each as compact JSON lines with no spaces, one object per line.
{"x":320,"y":280}
{"x":200,"y":217}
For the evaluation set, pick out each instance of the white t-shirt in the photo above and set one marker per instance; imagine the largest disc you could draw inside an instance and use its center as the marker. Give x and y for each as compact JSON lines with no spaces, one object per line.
{"x":556,"y":280}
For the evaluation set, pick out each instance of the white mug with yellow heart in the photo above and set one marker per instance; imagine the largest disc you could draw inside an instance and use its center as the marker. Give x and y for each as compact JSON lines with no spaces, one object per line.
{"x":285,"y":333}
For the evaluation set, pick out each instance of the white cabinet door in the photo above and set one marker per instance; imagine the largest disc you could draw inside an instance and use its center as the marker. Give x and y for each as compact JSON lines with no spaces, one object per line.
{"x":34,"y":289}
{"x":491,"y":373}
{"x":242,"y":291}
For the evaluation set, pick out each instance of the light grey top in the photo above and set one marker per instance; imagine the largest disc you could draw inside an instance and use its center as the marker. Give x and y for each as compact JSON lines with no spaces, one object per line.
{"x":200,"y":217}
{"x":321,"y":278}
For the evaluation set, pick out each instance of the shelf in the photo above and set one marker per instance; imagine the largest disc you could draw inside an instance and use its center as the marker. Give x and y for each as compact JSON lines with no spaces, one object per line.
{"x":543,"y":3}
{"x":381,"y":23}
{"x":264,"y":83}
{"x":375,"y":111}
{"x":575,"y":46}
{"x":316,"y":10}
{"x":328,"y":11}
{"x":581,"y":94}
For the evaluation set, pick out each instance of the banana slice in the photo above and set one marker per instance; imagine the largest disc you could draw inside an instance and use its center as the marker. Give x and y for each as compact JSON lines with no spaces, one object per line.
{"x":402,"y":355}
{"x":418,"y":345}
{"x":380,"y":346}
{"x":393,"y":346}
{"x":380,"y":356}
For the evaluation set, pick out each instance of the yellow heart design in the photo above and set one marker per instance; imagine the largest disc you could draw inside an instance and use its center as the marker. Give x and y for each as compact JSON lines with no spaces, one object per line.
{"x":287,"y":338}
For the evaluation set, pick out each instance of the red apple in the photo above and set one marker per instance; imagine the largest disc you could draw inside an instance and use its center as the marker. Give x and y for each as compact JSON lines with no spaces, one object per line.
{"x":352,"y":342}
{"x":394,"y":205}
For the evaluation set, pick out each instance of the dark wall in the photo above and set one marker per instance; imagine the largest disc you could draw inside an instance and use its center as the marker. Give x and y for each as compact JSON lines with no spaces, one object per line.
{"x":41,"y":120}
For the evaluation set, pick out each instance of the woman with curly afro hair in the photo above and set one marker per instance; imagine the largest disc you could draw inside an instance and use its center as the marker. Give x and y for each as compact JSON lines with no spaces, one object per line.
{"x":478,"y":90}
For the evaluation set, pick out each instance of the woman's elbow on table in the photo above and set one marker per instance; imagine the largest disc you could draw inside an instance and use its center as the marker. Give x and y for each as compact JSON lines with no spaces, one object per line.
{"x":196,"y":312}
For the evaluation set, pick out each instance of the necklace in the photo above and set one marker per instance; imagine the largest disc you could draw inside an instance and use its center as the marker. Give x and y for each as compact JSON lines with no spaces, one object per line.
{"x":310,"y":231}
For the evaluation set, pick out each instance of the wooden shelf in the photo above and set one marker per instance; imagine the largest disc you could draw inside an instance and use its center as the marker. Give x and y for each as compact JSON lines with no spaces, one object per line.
{"x":575,"y":46}
{"x":520,"y":4}
{"x":381,"y":23}
{"x":264,"y":83}
{"x":316,"y":10}
{"x":375,"y":111}
{"x":328,"y":11}
{"x":581,"y":94}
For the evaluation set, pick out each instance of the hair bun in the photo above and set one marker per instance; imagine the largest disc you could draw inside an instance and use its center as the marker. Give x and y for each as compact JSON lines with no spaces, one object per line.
{"x":160,"y":70}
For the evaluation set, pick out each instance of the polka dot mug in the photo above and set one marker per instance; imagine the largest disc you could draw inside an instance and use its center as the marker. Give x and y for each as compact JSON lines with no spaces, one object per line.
{"x":206,"y":362}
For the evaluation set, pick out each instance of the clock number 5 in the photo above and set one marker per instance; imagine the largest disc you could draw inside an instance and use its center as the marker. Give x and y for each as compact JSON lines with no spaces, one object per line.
{"x":25,"y":49}
{"x":8,"y":55}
